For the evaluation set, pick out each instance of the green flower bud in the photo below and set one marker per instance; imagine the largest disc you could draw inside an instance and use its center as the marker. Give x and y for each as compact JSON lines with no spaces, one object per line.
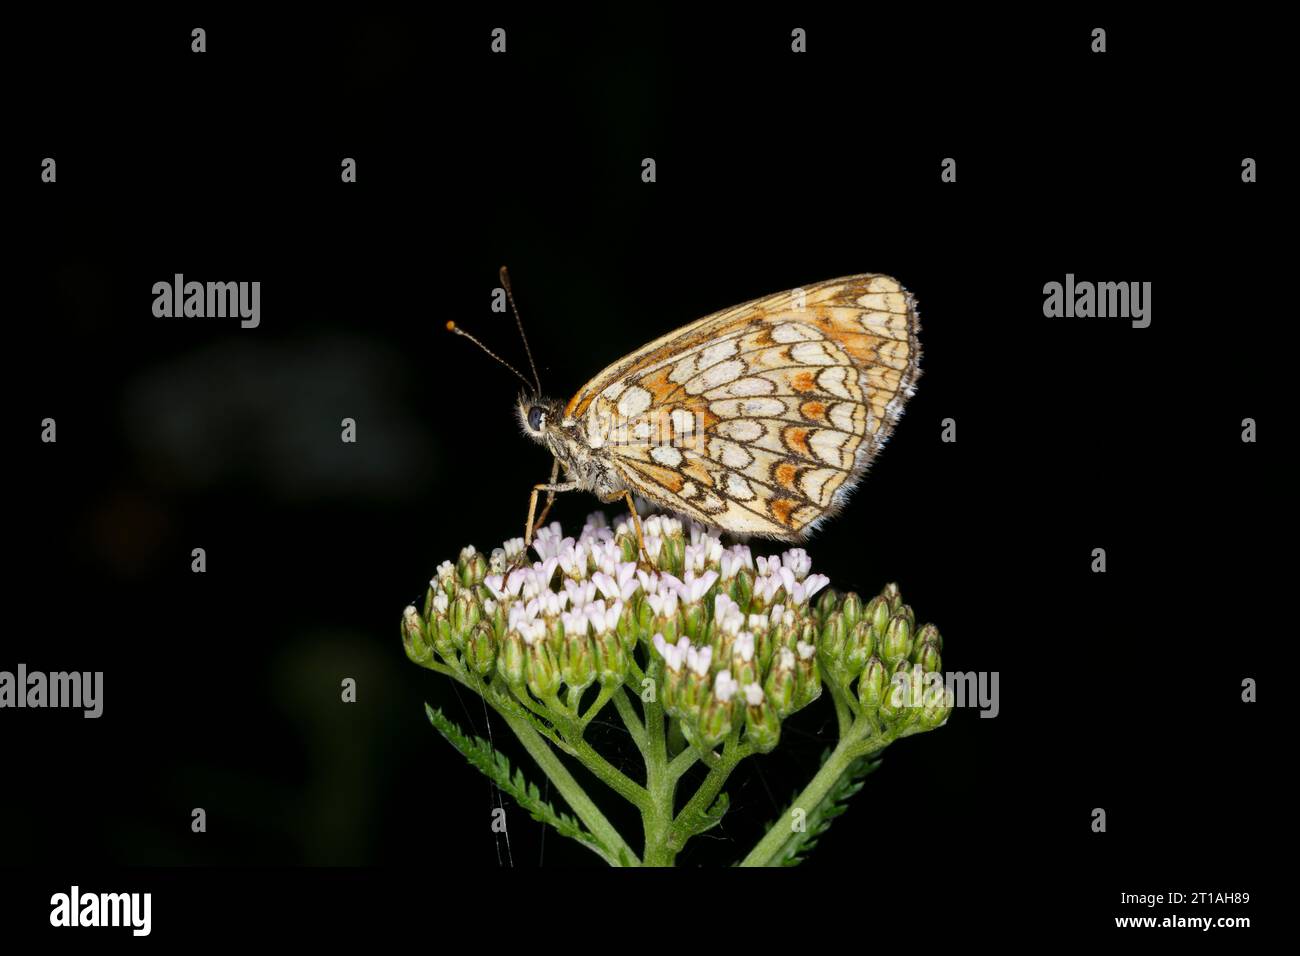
{"x":543,"y":675}
{"x":481,"y":650}
{"x":827,"y":603}
{"x":672,"y":692}
{"x":871,"y":686}
{"x":578,"y":665}
{"x":782,"y":684}
{"x":494,"y":613}
{"x":514,"y":659}
{"x":927,"y":655}
{"x":714,"y":721}
{"x":905,"y":611}
{"x":892,"y":597}
{"x":859,"y":646}
{"x":627,"y":544}
{"x":414,"y":641}
{"x":465,"y":613}
{"x":852,"y":610}
{"x":833,"y":636}
{"x":937,"y":707}
{"x":809,"y":686}
{"x":611,"y":660}
{"x":471,"y":567}
{"x":929,"y":634}
{"x":441,"y":633}
{"x":762,"y":726}
{"x":897,"y":645}
{"x":742,"y":588}
{"x":693,"y":620}
{"x":894,"y":701}
{"x":877,"y":613}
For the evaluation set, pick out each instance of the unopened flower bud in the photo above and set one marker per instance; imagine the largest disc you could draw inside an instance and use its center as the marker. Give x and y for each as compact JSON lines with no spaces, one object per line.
{"x":833,"y":635}
{"x":514,"y":658}
{"x":762,"y":725}
{"x":852,"y":609}
{"x":472,"y":567}
{"x":827,"y":603}
{"x":897,"y":644}
{"x":611,"y":660}
{"x":543,"y":675}
{"x":936,"y":709}
{"x":871,"y":686}
{"x":782,"y":683}
{"x":876,"y":614}
{"x":892,"y":597}
{"x":859,"y":646}
{"x":742,"y":588}
{"x":927,"y":655}
{"x":418,"y":648}
{"x":465,"y":613}
{"x":929,"y":634}
{"x":578,"y":666}
{"x":481,"y":650}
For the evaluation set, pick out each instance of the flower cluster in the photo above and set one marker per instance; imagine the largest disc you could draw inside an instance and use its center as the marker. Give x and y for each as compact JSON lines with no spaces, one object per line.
{"x":730,"y":641}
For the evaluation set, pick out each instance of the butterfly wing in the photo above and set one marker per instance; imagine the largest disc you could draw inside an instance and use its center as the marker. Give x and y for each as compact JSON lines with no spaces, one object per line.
{"x":760,"y":419}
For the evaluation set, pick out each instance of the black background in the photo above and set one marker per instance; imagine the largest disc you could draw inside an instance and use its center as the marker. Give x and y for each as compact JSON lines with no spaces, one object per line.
{"x":1119,"y":691}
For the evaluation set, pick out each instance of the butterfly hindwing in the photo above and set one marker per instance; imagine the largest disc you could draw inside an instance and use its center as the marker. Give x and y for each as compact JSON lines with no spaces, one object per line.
{"x":761,"y":418}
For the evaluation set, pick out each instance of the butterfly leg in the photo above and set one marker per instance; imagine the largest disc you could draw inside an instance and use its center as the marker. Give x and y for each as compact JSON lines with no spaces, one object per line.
{"x":550,"y":487}
{"x":636,"y":523}
{"x":550,"y":495}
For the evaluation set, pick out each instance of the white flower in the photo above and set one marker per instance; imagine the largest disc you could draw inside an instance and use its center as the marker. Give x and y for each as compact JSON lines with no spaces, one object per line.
{"x":757,"y":623}
{"x":765,"y":587}
{"x":698,"y":659}
{"x":744,"y":646}
{"x":619,"y":585}
{"x":441,"y":603}
{"x":733,"y":559}
{"x":753,"y":695}
{"x":489,"y":606}
{"x":496,"y":583}
{"x":604,"y":618}
{"x":445,"y":571}
{"x":804,"y":591}
{"x":797,"y":560}
{"x":693,"y":588}
{"x":767,"y":565}
{"x":573,"y":560}
{"x":467,"y":552}
{"x":664,"y":604}
{"x":649,"y":581}
{"x":727,"y":616}
{"x":673,"y":657}
{"x":653,"y":545}
{"x":575,"y":622}
{"x":724,"y":688}
{"x":787,"y":659}
{"x":515,"y":580}
{"x":549,"y":604}
{"x":513,"y":547}
{"x":579,"y":592}
{"x":806,"y":651}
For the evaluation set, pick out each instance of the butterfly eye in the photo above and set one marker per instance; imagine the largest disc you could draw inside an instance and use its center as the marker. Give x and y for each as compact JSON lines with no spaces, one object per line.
{"x":535,"y":418}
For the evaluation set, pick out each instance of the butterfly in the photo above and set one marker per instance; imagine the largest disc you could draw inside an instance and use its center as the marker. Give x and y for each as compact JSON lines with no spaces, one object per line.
{"x":757,"y":420}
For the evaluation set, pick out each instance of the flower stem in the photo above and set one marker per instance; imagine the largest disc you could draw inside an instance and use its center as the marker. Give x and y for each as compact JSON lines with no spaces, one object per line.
{"x":572,"y":791}
{"x":857,"y":742}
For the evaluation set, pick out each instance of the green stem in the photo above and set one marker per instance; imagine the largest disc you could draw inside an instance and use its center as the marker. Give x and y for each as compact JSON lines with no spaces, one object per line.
{"x":858,"y":742}
{"x":623,"y":701}
{"x":733,"y":752}
{"x":657,"y":815}
{"x":571,"y":791}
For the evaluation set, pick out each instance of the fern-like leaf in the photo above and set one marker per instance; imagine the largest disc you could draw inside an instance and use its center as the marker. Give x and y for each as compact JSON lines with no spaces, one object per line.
{"x":496,"y":766}
{"x":818,"y":820}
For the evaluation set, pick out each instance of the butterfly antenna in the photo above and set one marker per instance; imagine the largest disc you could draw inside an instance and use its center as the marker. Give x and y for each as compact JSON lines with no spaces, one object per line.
{"x":453,"y":327}
{"x":505,"y":283}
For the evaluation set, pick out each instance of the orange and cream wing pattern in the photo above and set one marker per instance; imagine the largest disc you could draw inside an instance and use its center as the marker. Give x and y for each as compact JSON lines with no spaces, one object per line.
{"x":760,"y":419}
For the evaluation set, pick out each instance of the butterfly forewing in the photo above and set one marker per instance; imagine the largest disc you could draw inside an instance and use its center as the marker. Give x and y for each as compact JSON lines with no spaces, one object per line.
{"x":761,"y":418}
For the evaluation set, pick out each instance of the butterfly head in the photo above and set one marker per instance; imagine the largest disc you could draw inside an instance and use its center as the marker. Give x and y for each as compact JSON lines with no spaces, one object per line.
{"x":542,"y":419}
